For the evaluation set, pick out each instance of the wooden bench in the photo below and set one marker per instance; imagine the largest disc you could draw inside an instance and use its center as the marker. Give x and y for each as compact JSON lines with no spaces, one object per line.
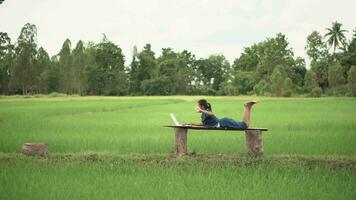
{"x":254,"y":145}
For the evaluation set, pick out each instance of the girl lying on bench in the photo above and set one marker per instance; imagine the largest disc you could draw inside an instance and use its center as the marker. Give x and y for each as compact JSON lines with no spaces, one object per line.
{"x":210,"y":120}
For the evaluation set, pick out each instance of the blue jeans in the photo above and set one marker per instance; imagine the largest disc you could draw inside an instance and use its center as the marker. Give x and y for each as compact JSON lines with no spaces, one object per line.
{"x":230,"y":123}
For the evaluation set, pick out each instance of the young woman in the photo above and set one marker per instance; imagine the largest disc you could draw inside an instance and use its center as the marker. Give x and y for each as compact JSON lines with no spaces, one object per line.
{"x":210,"y":120}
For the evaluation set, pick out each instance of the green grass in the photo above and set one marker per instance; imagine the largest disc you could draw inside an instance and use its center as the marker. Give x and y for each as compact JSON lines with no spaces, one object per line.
{"x":310,"y":149}
{"x":134,"y":125}
{"x":159,"y":177}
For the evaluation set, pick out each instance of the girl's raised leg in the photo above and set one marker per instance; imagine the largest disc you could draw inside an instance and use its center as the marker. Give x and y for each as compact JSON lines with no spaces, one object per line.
{"x":247,"y":112}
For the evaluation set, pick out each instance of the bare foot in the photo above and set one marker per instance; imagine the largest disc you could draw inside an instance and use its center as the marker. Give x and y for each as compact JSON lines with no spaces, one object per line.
{"x":250,"y":103}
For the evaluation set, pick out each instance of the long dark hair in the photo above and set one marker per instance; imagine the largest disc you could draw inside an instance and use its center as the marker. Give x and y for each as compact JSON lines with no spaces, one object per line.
{"x":203,"y":102}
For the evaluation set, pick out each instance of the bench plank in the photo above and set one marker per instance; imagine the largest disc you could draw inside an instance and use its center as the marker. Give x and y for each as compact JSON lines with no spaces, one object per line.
{"x":216,"y":128}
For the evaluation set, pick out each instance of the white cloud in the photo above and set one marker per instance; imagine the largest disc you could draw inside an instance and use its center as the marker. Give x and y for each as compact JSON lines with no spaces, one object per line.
{"x":204,"y":27}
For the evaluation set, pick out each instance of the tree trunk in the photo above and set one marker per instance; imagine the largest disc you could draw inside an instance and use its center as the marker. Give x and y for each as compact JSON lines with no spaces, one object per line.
{"x":254,"y":145}
{"x":31,"y":149}
{"x":180,"y":141}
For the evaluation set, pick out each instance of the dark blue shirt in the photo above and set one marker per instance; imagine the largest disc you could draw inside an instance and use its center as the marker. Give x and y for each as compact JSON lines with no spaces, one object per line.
{"x":209,"y":121}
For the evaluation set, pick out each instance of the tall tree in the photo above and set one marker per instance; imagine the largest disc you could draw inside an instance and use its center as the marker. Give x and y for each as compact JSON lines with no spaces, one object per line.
{"x":5,"y":43}
{"x":297,"y":71}
{"x":351,"y":79}
{"x":146,"y":69}
{"x":214,"y":70}
{"x":186,"y":72}
{"x":275,"y":51}
{"x":336,"y":77}
{"x":320,"y":58}
{"x":348,"y":57}
{"x":53,"y":75}
{"x":79,"y":62}
{"x":316,"y":48}
{"x":6,"y":61}
{"x":66,"y":68}
{"x":43,"y":66}
{"x":107,"y":75}
{"x":24,"y":73}
{"x":336,"y":36}
{"x":243,"y":82}
{"x":310,"y":81}
{"x":134,"y":82}
{"x":277,"y":78}
{"x":248,"y":60}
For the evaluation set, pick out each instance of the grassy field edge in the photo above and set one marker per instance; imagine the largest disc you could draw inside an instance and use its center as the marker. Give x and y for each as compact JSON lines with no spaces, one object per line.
{"x":194,"y":160}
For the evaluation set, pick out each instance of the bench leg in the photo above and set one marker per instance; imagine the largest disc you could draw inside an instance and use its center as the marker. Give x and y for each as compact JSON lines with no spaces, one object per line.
{"x":180,"y":141}
{"x":254,"y":145}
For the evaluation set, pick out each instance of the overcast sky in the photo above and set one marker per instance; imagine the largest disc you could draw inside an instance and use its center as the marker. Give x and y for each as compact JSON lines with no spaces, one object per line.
{"x":202,"y":26}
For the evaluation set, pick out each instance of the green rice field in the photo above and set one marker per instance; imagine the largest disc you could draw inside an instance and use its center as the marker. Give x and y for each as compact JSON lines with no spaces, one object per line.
{"x":309,"y":150}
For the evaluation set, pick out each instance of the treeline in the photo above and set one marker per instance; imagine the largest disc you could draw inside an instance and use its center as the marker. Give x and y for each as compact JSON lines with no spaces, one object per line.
{"x":265,"y":68}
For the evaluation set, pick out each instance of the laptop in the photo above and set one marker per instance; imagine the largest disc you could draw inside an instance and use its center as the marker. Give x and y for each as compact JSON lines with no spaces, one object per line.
{"x":175,"y":121}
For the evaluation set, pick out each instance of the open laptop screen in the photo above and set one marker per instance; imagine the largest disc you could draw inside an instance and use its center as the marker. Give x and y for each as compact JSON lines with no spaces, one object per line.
{"x":174,"y":119}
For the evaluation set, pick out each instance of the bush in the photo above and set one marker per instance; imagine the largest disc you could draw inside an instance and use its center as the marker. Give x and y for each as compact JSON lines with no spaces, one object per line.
{"x":39,"y":95}
{"x":310,"y":81}
{"x":228,"y":89}
{"x":316,"y":92}
{"x":243,"y":82}
{"x":288,"y":88}
{"x":336,"y":78}
{"x":56,"y":94}
{"x":351,"y":79}
{"x":206,"y":90}
{"x":262,"y":88}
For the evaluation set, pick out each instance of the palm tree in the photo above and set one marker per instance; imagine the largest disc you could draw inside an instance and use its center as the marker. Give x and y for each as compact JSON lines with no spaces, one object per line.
{"x":336,"y":35}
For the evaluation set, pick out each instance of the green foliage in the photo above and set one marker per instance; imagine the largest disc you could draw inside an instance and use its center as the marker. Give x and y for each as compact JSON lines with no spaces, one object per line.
{"x":213,"y":71}
{"x":297,"y":71}
{"x":262,"y":88}
{"x":228,"y":89}
{"x":316,"y":48}
{"x":99,"y":68}
{"x":143,"y":67}
{"x":336,"y":78}
{"x":105,"y":73}
{"x":275,"y":51}
{"x":310,"y":81}
{"x":157,"y":86}
{"x":5,"y":43}
{"x":347,"y":58}
{"x":288,"y":87}
{"x":43,"y":67}
{"x":320,"y":59}
{"x":248,"y":60}
{"x":24,"y":70}
{"x":336,"y":36}
{"x":243,"y":81}
{"x":320,"y":68}
{"x":277,"y":81}
{"x":79,"y":63}
{"x":65,"y":68}
{"x":352,"y":81}
{"x":6,"y":62}
{"x":316,"y":92}
{"x":56,"y":94}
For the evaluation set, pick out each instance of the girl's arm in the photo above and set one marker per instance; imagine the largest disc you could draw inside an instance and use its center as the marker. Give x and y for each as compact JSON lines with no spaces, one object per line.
{"x":194,"y":124}
{"x":209,"y":113}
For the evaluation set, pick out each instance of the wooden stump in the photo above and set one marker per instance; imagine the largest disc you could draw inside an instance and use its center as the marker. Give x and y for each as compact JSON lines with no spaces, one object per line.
{"x":180,"y":141}
{"x":32,"y":149}
{"x":254,"y":145}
